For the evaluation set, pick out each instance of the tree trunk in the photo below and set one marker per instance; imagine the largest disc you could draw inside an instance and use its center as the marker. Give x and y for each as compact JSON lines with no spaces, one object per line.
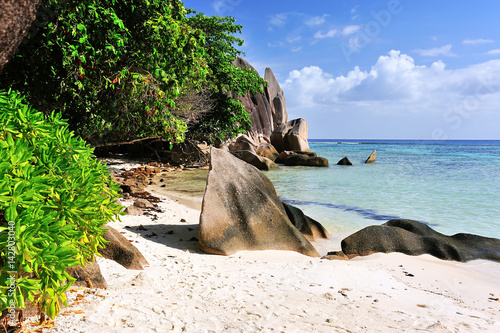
{"x":16,"y":17}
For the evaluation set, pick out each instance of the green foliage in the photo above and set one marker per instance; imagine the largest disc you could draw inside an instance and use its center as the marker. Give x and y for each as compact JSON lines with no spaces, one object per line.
{"x":57,"y":195}
{"x":119,"y":69}
{"x":227,"y":117}
{"x":112,"y":67}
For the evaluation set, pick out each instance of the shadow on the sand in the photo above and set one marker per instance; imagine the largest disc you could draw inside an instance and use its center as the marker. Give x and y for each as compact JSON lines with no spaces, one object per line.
{"x":182,"y":237}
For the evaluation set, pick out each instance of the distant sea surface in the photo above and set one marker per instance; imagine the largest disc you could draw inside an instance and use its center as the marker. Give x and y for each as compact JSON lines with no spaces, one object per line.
{"x":453,"y":186}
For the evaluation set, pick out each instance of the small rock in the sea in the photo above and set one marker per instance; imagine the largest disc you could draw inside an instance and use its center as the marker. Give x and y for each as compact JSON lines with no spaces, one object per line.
{"x":151,"y":234}
{"x":193,"y":239}
{"x":170,"y":232}
{"x":141,"y":227}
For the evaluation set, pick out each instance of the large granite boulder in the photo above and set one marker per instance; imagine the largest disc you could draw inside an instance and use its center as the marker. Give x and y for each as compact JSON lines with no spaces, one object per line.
{"x":276,"y":98}
{"x":243,"y":142}
{"x":120,"y":250}
{"x":241,"y":211}
{"x":267,"y":150}
{"x":416,"y":238}
{"x":257,"y":105}
{"x":287,"y":153}
{"x":260,"y":162}
{"x":305,"y":160}
{"x":310,"y":228}
{"x":291,"y":136}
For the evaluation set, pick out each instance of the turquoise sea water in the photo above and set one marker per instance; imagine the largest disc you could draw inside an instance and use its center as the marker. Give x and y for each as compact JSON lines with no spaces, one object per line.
{"x":454,"y":186}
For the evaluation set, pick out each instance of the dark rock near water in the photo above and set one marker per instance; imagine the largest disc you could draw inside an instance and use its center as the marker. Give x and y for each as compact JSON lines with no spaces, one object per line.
{"x":372,"y":157}
{"x":291,"y":136}
{"x":241,"y":211}
{"x":286,"y":154}
{"x":309,"y":227}
{"x":120,"y":250}
{"x":344,"y":161}
{"x":416,"y":238}
{"x":305,"y":160}
{"x":260,"y":162}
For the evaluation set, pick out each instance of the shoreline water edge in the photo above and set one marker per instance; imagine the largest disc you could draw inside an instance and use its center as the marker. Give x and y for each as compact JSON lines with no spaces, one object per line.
{"x":186,"y":290}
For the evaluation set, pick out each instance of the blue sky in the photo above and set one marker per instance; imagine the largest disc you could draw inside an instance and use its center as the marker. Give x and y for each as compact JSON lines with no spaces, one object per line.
{"x":391,"y":69}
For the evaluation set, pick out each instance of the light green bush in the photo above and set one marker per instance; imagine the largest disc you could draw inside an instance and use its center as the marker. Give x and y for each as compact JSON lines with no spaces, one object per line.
{"x":58,"y":197}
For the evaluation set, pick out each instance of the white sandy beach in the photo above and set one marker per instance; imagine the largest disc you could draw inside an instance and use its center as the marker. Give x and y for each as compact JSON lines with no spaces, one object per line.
{"x":184,"y":290}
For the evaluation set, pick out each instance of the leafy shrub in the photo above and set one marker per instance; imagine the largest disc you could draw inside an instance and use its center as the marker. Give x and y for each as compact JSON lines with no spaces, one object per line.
{"x":227,"y":117}
{"x":57,"y":195}
{"x":112,"y":67}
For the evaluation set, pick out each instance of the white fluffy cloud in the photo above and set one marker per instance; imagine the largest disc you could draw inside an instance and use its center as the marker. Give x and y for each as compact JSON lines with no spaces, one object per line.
{"x":395,"y":84}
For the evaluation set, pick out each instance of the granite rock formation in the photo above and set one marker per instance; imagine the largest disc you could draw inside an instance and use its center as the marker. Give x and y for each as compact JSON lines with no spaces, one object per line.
{"x":291,"y":136}
{"x":241,"y":211}
{"x":305,"y":160}
{"x":121,"y":250}
{"x":310,"y":228}
{"x":416,"y":238}
{"x":276,"y":98}
{"x":89,"y":276}
{"x":257,"y":105}
{"x":260,"y":162}
{"x":344,"y":161}
{"x":372,"y":157}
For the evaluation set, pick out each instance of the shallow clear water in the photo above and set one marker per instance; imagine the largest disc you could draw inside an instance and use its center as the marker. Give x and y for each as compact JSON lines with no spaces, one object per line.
{"x":454,"y":186}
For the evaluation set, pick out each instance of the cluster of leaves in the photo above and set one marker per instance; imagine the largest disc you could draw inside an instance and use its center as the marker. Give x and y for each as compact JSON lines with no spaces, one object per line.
{"x":112,"y":67}
{"x":225,"y":80}
{"x":57,"y":195}
{"x":119,"y":70}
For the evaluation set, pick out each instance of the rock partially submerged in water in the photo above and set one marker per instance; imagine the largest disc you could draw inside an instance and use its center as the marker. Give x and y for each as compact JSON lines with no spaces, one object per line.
{"x":372,"y":157}
{"x":310,"y":228}
{"x":241,"y":211}
{"x":344,"y":161}
{"x":416,"y":238}
{"x":303,"y":158}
